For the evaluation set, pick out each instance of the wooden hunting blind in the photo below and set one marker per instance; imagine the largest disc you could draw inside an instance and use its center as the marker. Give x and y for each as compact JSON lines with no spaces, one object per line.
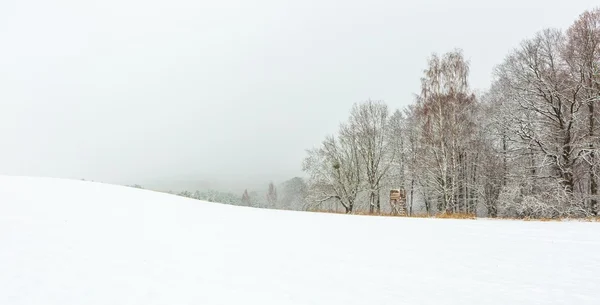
{"x":398,"y":201}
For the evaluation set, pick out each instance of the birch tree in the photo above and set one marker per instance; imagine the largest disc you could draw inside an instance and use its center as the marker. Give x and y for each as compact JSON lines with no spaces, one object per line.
{"x":445,"y":106}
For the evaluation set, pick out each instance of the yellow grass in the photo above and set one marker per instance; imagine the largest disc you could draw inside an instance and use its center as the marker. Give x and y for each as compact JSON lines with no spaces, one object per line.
{"x":458,"y":216}
{"x":388,"y":214}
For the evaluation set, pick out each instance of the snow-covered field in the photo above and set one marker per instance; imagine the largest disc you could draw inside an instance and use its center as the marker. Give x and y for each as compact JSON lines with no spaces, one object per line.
{"x":73,"y":242}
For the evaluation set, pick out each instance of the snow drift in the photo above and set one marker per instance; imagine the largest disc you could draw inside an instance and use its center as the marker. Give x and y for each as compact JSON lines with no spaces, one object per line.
{"x":73,"y":242}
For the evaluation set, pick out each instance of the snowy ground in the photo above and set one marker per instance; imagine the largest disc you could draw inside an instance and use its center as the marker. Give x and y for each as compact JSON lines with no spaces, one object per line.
{"x":73,"y":242}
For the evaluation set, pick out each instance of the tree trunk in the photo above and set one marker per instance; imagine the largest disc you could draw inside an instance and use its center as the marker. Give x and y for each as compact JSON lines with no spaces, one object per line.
{"x":473,"y":202}
{"x":412,"y":188}
{"x":533,"y":171}
{"x":504,"y":158}
{"x":371,"y":203}
{"x":593,"y":182}
{"x":349,"y":208}
{"x":568,"y":174}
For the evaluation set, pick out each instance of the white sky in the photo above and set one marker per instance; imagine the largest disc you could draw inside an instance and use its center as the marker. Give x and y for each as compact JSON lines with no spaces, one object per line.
{"x":125,"y":91}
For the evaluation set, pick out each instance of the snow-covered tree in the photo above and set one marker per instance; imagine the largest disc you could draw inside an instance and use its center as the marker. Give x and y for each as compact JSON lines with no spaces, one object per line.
{"x":583,"y":58}
{"x":246,"y":198}
{"x":445,"y":117}
{"x":272,"y":195}
{"x":370,"y":127}
{"x":294,"y":193}
{"x":547,"y":118}
{"x":334,"y":171}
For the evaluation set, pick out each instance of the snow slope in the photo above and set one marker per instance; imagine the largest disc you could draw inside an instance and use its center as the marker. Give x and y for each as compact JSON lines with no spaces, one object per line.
{"x":73,"y":242}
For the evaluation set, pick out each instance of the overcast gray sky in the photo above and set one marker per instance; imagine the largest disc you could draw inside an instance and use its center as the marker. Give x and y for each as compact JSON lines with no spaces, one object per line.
{"x":128,"y":90}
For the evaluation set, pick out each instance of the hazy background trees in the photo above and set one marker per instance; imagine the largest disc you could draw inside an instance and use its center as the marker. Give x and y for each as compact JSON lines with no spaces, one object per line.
{"x":293,"y":195}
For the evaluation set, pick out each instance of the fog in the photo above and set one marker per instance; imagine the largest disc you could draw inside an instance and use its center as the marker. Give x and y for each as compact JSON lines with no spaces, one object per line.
{"x":223,"y":92}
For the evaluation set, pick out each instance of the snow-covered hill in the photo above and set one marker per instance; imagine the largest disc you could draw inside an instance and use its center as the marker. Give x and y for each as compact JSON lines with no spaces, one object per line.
{"x":73,"y":242}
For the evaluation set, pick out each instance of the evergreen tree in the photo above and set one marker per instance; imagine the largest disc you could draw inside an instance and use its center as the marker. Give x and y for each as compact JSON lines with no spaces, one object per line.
{"x":272,"y":195}
{"x":246,"y":198}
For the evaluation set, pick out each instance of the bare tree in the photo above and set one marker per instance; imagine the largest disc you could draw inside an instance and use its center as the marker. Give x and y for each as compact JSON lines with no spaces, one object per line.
{"x":493,"y":145}
{"x":538,"y":75}
{"x":583,"y":57}
{"x":334,"y":171}
{"x":412,"y":156}
{"x":546,"y":113}
{"x":397,"y":154}
{"x":369,"y":125}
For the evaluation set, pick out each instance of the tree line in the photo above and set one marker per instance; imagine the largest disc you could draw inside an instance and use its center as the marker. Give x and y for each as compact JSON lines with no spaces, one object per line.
{"x":292,"y":196}
{"x":527,"y":147}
